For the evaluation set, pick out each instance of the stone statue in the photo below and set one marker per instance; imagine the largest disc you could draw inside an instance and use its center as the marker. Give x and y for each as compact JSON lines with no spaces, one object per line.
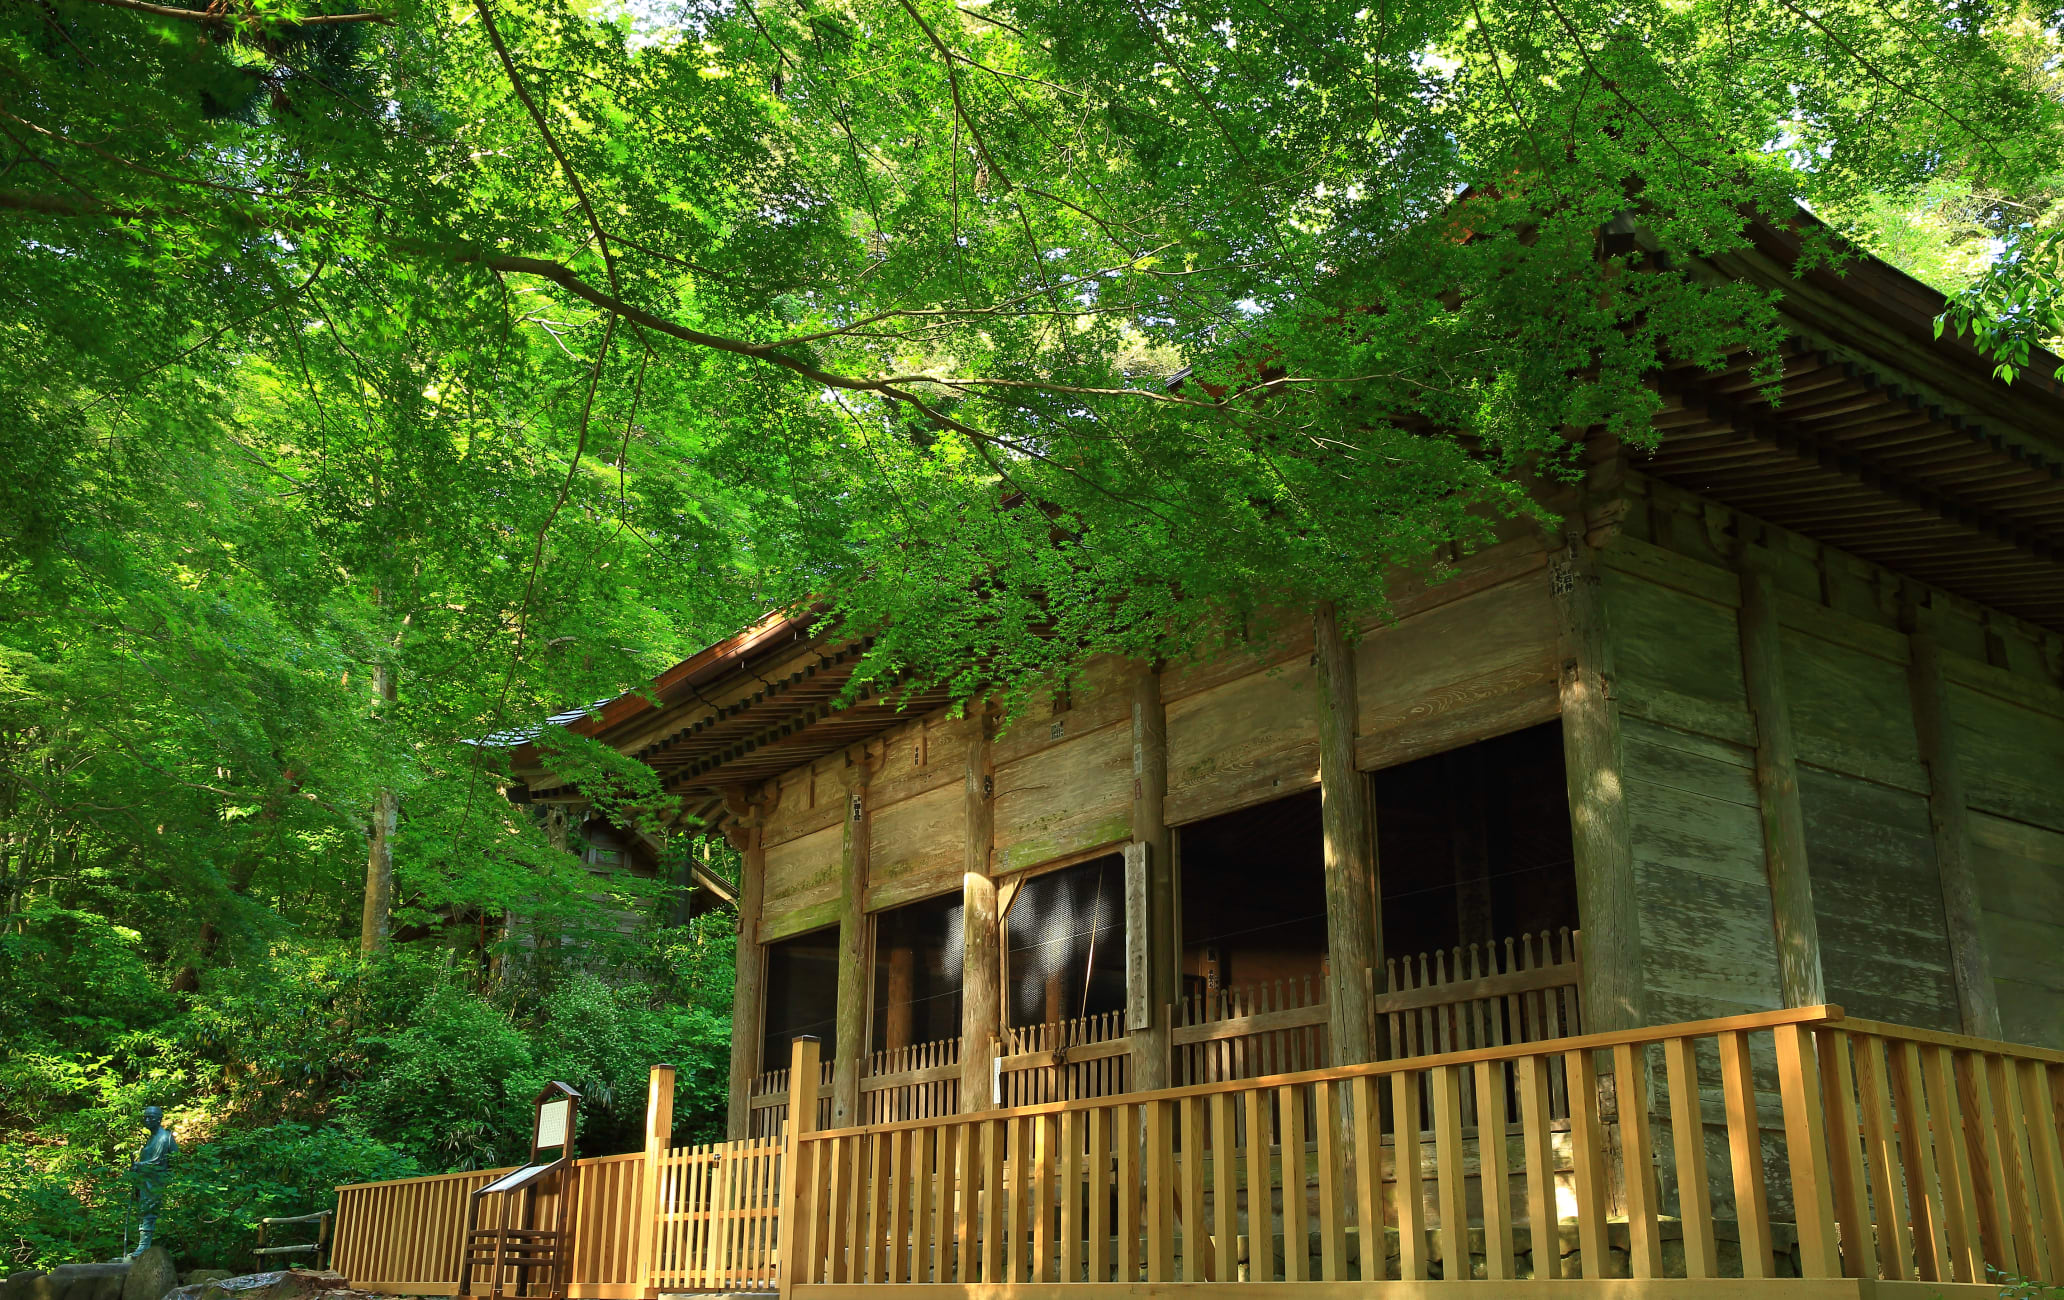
{"x":153,"y":1168}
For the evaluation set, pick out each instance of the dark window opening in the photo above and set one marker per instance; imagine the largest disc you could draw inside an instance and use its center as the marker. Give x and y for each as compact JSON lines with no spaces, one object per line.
{"x":801,"y":993}
{"x":1473,"y":846}
{"x":1254,"y":897}
{"x":917,"y":973}
{"x":1064,"y":940}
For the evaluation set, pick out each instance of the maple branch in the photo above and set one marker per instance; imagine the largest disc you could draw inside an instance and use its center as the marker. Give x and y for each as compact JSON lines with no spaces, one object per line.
{"x":953,"y":86}
{"x":893,"y":386}
{"x":537,"y":117}
{"x":209,"y":18}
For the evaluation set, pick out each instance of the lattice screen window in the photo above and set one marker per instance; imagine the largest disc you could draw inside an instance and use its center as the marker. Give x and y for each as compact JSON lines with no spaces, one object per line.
{"x":801,"y":993}
{"x":917,"y":973}
{"x":1064,"y":940}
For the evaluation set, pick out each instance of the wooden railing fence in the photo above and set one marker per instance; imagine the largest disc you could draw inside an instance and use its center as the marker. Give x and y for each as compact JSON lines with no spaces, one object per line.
{"x":608,"y":1202}
{"x":1791,"y":1143}
{"x":403,"y":1236}
{"x":915,"y":1082}
{"x":1479,"y":996}
{"x":719,"y":1211}
{"x":1064,"y":1060}
{"x":1902,"y":1156}
{"x":1270,"y":1028}
{"x":714,"y":1228}
{"x":768,"y":1106}
{"x":1944,"y":1161}
{"x":903,"y":1083}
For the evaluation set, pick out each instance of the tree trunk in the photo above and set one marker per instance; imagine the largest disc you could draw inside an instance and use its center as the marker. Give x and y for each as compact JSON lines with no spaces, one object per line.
{"x":379,"y":888}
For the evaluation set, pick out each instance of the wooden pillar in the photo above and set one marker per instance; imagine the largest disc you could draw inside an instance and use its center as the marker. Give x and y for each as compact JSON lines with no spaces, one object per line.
{"x":896,"y":1004}
{"x":1151,"y":960}
{"x":748,"y":995}
{"x":981,"y":989}
{"x":1969,"y":963}
{"x":1354,"y":925}
{"x":1600,"y":834}
{"x":1777,"y":791}
{"x":1469,"y":840}
{"x":659,"y":1135}
{"x":856,"y":965}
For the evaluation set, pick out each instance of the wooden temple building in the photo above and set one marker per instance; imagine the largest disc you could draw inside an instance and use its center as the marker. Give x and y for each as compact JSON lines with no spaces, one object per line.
{"x":1708,"y":847}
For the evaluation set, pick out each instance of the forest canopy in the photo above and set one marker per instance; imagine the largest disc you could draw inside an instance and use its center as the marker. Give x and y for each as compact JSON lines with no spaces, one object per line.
{"x":383,"y":382}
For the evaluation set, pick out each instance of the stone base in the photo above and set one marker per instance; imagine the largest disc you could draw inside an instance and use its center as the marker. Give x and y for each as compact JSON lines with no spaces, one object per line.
{"x":108,"y":1281}
{"x":150,"y":1276}
{"x":280,"y":1284}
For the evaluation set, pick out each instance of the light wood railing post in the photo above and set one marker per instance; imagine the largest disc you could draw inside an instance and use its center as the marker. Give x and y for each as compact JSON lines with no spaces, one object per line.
{"x":1806,"y":1151}
{"x":802,"y":1119}
{"x":1846,"y":1161}
{"x":659,"y":1131}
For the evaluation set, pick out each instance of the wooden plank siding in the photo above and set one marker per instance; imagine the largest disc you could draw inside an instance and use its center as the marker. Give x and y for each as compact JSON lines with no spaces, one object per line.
{"x":2020,"y":871}
{"x":1863,"y":786}
{"x":1708,"y":937}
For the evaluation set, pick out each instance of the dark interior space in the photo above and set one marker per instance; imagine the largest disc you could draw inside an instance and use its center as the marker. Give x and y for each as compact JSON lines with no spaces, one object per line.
{"x":1064,"y":943}
{"x":802,"y":994}
{"x":917,"y":973}
{"x":1254,"y":896}
{"x":1474,"y":845}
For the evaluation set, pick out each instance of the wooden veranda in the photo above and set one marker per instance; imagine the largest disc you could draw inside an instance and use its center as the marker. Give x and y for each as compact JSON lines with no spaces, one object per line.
{"x":1785,"y":1153}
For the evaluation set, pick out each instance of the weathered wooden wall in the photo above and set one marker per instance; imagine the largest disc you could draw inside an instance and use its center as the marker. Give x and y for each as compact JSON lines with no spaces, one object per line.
{"x":2013,"y":736}
{"x":1862,"y":784}
{"x":1688,"y":758}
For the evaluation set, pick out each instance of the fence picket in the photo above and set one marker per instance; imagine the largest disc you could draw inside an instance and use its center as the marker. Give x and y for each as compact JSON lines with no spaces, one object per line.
{"x":1637,"y":1171}
{"x":1411,"y":1192}
{"x":1496,"y":1180}
{"x":1332,"y":1228}
{"x":1450,"y":1193}
{"x":1261,"y":1237}
{"x":1938,"y":1069}
{"x":1587,"y":1157}
{"x":1296,"y":1213}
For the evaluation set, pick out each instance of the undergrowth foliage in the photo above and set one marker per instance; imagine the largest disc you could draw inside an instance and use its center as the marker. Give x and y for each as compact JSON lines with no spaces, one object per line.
{"x":305,"y":1069}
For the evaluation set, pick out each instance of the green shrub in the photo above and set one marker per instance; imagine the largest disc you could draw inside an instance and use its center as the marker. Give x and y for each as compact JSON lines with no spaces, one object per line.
{"x":61,"y":1208}
{"x":453,"y":1085}
{"x":299,"y":1066}
{"x":604,"y":1039}
{"x":221,"y":1188}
